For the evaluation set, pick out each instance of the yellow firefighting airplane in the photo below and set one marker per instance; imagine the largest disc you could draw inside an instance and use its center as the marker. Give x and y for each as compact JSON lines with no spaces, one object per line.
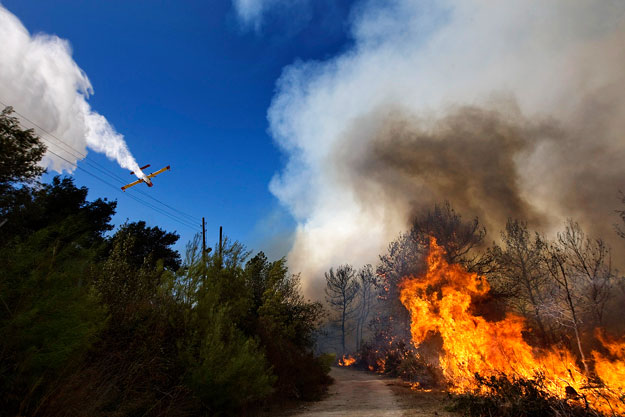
{"x":146,"y":179}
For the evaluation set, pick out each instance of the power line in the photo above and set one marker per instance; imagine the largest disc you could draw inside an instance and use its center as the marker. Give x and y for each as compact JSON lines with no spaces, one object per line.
{"x":171,"y":216}
{"x":96,"y":165}
{"x":184,"y":215}
{"x":185,"y":220}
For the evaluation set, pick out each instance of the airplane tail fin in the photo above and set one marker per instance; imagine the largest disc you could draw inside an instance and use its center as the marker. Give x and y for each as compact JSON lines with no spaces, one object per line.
{"x":142,"y":168}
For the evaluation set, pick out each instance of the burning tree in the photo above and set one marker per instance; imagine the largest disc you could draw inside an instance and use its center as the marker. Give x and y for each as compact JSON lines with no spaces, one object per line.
{"x":520,"y":275}
{"x":441,"y":304}
{"x":406,"y":256}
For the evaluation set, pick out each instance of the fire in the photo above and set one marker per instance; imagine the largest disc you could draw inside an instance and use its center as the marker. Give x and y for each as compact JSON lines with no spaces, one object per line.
{"x":439,"y":302}
{"x":381,"y":365}
{"x":612,"y":373}
{"x":347,"y":360}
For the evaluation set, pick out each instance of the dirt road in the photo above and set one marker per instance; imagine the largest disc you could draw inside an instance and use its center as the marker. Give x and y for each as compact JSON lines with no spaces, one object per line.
{"x":357,"y":393}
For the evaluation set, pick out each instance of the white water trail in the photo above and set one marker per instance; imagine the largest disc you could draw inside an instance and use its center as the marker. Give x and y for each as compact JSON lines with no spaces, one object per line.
{"x":40,"y":80}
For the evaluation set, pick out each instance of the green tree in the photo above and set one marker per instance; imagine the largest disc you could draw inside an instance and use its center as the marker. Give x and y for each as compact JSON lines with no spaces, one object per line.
{"x":20,"y":152}
{"x":54,"y":203}
{"x":148,"y":246}
{"x":285,"y":323}
{"x":225,"y":368}
{"x":50,"y":317}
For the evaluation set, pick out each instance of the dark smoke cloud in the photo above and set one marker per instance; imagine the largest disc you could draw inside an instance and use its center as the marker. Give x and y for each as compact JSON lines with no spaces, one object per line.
{"x":510,"y":109}
{"x":477,"y":159}
{"x":468,"y":158}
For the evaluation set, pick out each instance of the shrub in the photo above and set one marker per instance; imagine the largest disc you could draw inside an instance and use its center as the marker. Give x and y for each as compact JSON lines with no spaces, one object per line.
{"x":326,"y":360}
{"x":515,"y":397}
{"x":229,"y":371}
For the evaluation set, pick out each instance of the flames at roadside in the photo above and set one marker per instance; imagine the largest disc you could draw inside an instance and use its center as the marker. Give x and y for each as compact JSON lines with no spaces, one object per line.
{"x":440,"y":304}
{"x":347,"y":360}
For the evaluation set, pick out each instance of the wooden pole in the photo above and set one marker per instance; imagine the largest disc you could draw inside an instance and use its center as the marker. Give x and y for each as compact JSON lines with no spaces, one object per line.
{"x":220,"y":247}
{"x":203,"y":237}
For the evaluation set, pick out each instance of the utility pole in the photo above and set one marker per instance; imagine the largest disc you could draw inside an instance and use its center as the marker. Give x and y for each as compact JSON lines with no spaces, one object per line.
{"x":203,"y":239}
{"x":204,"y":250}
{"x":220,"y":247}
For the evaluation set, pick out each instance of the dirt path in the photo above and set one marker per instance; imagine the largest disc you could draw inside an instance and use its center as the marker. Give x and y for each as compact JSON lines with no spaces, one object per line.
{"x":357,"y":393}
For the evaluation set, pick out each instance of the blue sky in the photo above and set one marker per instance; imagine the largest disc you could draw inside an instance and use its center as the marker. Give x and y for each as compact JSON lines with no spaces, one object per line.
{"x":198,"y":85}
{"x":188,"y":84}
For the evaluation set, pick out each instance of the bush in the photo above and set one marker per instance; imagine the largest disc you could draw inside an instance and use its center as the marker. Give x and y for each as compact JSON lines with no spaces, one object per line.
{"x":49,"y":319}
{"x":229,"y":371}
{"x":299,"y":374}
{"x":515,"y":397}
{"x":414,"y":368}
{"x":326,"y":360}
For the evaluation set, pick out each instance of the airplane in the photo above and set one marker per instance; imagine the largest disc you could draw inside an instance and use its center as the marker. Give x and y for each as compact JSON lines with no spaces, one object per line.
{"x":146,"y":178}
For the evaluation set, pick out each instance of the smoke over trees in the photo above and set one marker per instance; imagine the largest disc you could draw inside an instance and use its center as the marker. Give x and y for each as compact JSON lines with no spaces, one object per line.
{"x":563,"y":293}
{"x":500,"y":110}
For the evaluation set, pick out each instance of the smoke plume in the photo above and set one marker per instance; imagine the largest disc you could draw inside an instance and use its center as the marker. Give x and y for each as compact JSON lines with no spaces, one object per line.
{"x":506,"y":109}
{"x":41,"y":81}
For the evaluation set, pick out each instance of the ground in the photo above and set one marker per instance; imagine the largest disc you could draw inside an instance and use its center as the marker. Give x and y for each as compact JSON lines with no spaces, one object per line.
{"x":358,"y":393}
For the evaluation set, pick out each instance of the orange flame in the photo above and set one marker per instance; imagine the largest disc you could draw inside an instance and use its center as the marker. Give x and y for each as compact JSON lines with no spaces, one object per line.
{"x":347,"y":360}
{"x":439,"y":302}
{"x":381,"y":365}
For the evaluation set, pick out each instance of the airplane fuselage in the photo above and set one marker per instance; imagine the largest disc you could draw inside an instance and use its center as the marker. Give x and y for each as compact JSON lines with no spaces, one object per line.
{"x":147,"y":179}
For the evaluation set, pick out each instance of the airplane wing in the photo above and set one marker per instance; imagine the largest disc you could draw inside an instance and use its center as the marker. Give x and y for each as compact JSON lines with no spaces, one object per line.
{"x":160,"y":171}
{"x":132,"y":184}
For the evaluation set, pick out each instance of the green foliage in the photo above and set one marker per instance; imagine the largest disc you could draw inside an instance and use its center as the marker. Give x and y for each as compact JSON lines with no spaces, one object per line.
{"x":284,"y":306}
{"x":55,"y":203}
{"x":149,"y":245}
{"x":125,"y":287}
{"x":516,"y":397}
{"x":285,"y":323}
{"x":20,"y":152}
{"x":120,"y":327}
{"x":50,"y":317}
{"x":226,"y":370}
{"x":326,"y":360}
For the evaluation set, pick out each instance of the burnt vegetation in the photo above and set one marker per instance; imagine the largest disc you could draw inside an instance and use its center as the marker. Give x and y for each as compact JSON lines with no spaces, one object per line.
{"x":114,"y":322}
{"x":566,"y":289}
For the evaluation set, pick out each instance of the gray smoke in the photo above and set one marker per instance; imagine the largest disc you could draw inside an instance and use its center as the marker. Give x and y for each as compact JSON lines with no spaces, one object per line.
{"x":510,"y":109}
{"x":467,"y":157}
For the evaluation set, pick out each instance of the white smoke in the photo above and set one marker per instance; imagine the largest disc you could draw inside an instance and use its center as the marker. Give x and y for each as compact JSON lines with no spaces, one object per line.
{"x":558,"y":60}
{"x":41,"y":81}
{"x":252,"y":12}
